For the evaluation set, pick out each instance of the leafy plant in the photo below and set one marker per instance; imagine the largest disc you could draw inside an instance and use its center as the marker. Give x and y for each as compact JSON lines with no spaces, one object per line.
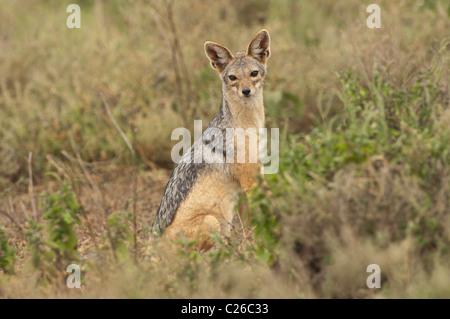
{"x":7,"y":254}
{"x":62,"y":212}
{"x":267,"y":228}
{"x":36,"y":244}
{"x":121,"y":236}
{"x":53,"y":251}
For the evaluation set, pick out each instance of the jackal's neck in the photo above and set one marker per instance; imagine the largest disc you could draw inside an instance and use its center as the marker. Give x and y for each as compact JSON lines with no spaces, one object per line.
{"x":247,"y":112}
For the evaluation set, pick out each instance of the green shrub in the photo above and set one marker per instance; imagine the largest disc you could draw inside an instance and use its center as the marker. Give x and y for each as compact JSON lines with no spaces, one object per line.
{"x":377,"y":172}
{"x":62,"y":213}
{"x":52,"y":251}
{"x":7,"y":254}
{"x":121,"y":236}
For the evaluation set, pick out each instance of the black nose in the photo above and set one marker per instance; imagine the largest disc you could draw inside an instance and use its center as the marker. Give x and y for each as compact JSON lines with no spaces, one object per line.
{"x":246,"y":92}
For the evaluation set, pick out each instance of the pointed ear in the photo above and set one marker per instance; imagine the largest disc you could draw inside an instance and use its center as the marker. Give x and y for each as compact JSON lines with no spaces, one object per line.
{"x":259,"y":47}
{"x":219,"y":55}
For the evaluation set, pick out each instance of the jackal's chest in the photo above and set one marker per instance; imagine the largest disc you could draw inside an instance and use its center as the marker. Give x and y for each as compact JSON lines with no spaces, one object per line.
{"x":250,"y":117}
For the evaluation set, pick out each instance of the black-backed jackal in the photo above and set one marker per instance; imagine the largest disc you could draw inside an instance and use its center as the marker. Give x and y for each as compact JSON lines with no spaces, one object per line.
{"x":200,"y":198}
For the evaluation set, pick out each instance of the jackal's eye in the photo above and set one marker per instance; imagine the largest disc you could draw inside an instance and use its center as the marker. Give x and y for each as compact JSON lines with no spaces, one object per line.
{"x":254,"y":73}
{"x":232,"y":78}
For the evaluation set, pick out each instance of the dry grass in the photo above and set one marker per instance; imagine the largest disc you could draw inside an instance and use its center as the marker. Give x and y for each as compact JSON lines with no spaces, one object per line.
{"x":354,"y":187}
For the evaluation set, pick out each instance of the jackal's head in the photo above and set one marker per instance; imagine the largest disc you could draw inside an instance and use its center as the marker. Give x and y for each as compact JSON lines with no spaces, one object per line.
{"x":242,"y":73}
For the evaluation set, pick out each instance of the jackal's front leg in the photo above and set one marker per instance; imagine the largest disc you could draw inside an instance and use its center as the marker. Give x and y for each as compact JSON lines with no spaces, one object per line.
{"x":246,"y":175}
